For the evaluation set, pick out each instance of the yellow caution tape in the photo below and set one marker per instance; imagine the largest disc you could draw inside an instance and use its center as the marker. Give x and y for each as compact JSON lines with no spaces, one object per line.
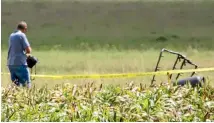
{"x":124,"y":75}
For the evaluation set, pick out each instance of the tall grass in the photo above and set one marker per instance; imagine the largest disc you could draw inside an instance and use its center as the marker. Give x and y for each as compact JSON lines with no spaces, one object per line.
{"x":102,"y":62}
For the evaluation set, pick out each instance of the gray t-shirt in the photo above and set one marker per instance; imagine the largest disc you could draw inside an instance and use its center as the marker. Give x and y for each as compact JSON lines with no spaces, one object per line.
{"x":18,"y":42}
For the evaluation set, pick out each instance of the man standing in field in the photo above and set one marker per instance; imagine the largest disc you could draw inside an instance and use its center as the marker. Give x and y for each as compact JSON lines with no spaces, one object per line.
{"x":19,"y":49}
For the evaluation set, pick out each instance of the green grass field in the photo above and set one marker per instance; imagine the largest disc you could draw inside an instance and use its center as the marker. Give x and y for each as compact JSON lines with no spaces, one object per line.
{"x":97,"y":37}
{"x":81,"y":25}
{"x":100,"y":62}
{"x":110,"y":37}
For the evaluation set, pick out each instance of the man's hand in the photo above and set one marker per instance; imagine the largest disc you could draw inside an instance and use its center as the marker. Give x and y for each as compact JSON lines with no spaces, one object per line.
{"x":28,"y":55}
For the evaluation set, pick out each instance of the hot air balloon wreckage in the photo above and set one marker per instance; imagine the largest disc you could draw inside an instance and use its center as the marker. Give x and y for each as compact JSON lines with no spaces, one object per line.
{"x":194,"y":79}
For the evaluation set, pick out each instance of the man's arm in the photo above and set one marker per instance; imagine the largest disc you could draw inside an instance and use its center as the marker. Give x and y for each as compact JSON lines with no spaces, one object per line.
{"x":26,"y":45}
{"x":28,"y":50}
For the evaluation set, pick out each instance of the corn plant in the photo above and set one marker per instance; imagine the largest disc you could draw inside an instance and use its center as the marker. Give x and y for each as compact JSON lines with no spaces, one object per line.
{"x":132,"y":103}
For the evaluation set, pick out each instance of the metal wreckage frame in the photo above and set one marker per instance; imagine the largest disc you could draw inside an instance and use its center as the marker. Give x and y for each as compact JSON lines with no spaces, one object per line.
{"x":192,"y":80}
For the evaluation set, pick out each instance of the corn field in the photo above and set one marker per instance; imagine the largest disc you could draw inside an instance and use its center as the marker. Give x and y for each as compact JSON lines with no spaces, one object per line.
{"x":132,"y":103}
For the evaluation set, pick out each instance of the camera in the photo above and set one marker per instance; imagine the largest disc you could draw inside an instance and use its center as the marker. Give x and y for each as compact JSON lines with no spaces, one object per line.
{"x":31,"y":61}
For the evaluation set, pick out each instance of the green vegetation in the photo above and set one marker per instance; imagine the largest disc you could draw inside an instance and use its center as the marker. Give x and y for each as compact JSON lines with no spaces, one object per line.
{"x":102,"y":62}
{"x":110,"y":37}
{"x":92,"y":25}
{"x":69,"y":102}
{"x":79,"y":37}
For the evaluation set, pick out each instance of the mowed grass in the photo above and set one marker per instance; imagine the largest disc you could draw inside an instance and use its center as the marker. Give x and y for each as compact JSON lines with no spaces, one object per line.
{"x":118,"y":25}
{"x":102,"y":62}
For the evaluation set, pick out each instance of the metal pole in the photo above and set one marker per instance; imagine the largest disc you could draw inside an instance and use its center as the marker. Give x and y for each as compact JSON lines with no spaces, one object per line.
{"x":183,"y":63}
{"x":156,"y":68}
{"x":174,"y":66}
